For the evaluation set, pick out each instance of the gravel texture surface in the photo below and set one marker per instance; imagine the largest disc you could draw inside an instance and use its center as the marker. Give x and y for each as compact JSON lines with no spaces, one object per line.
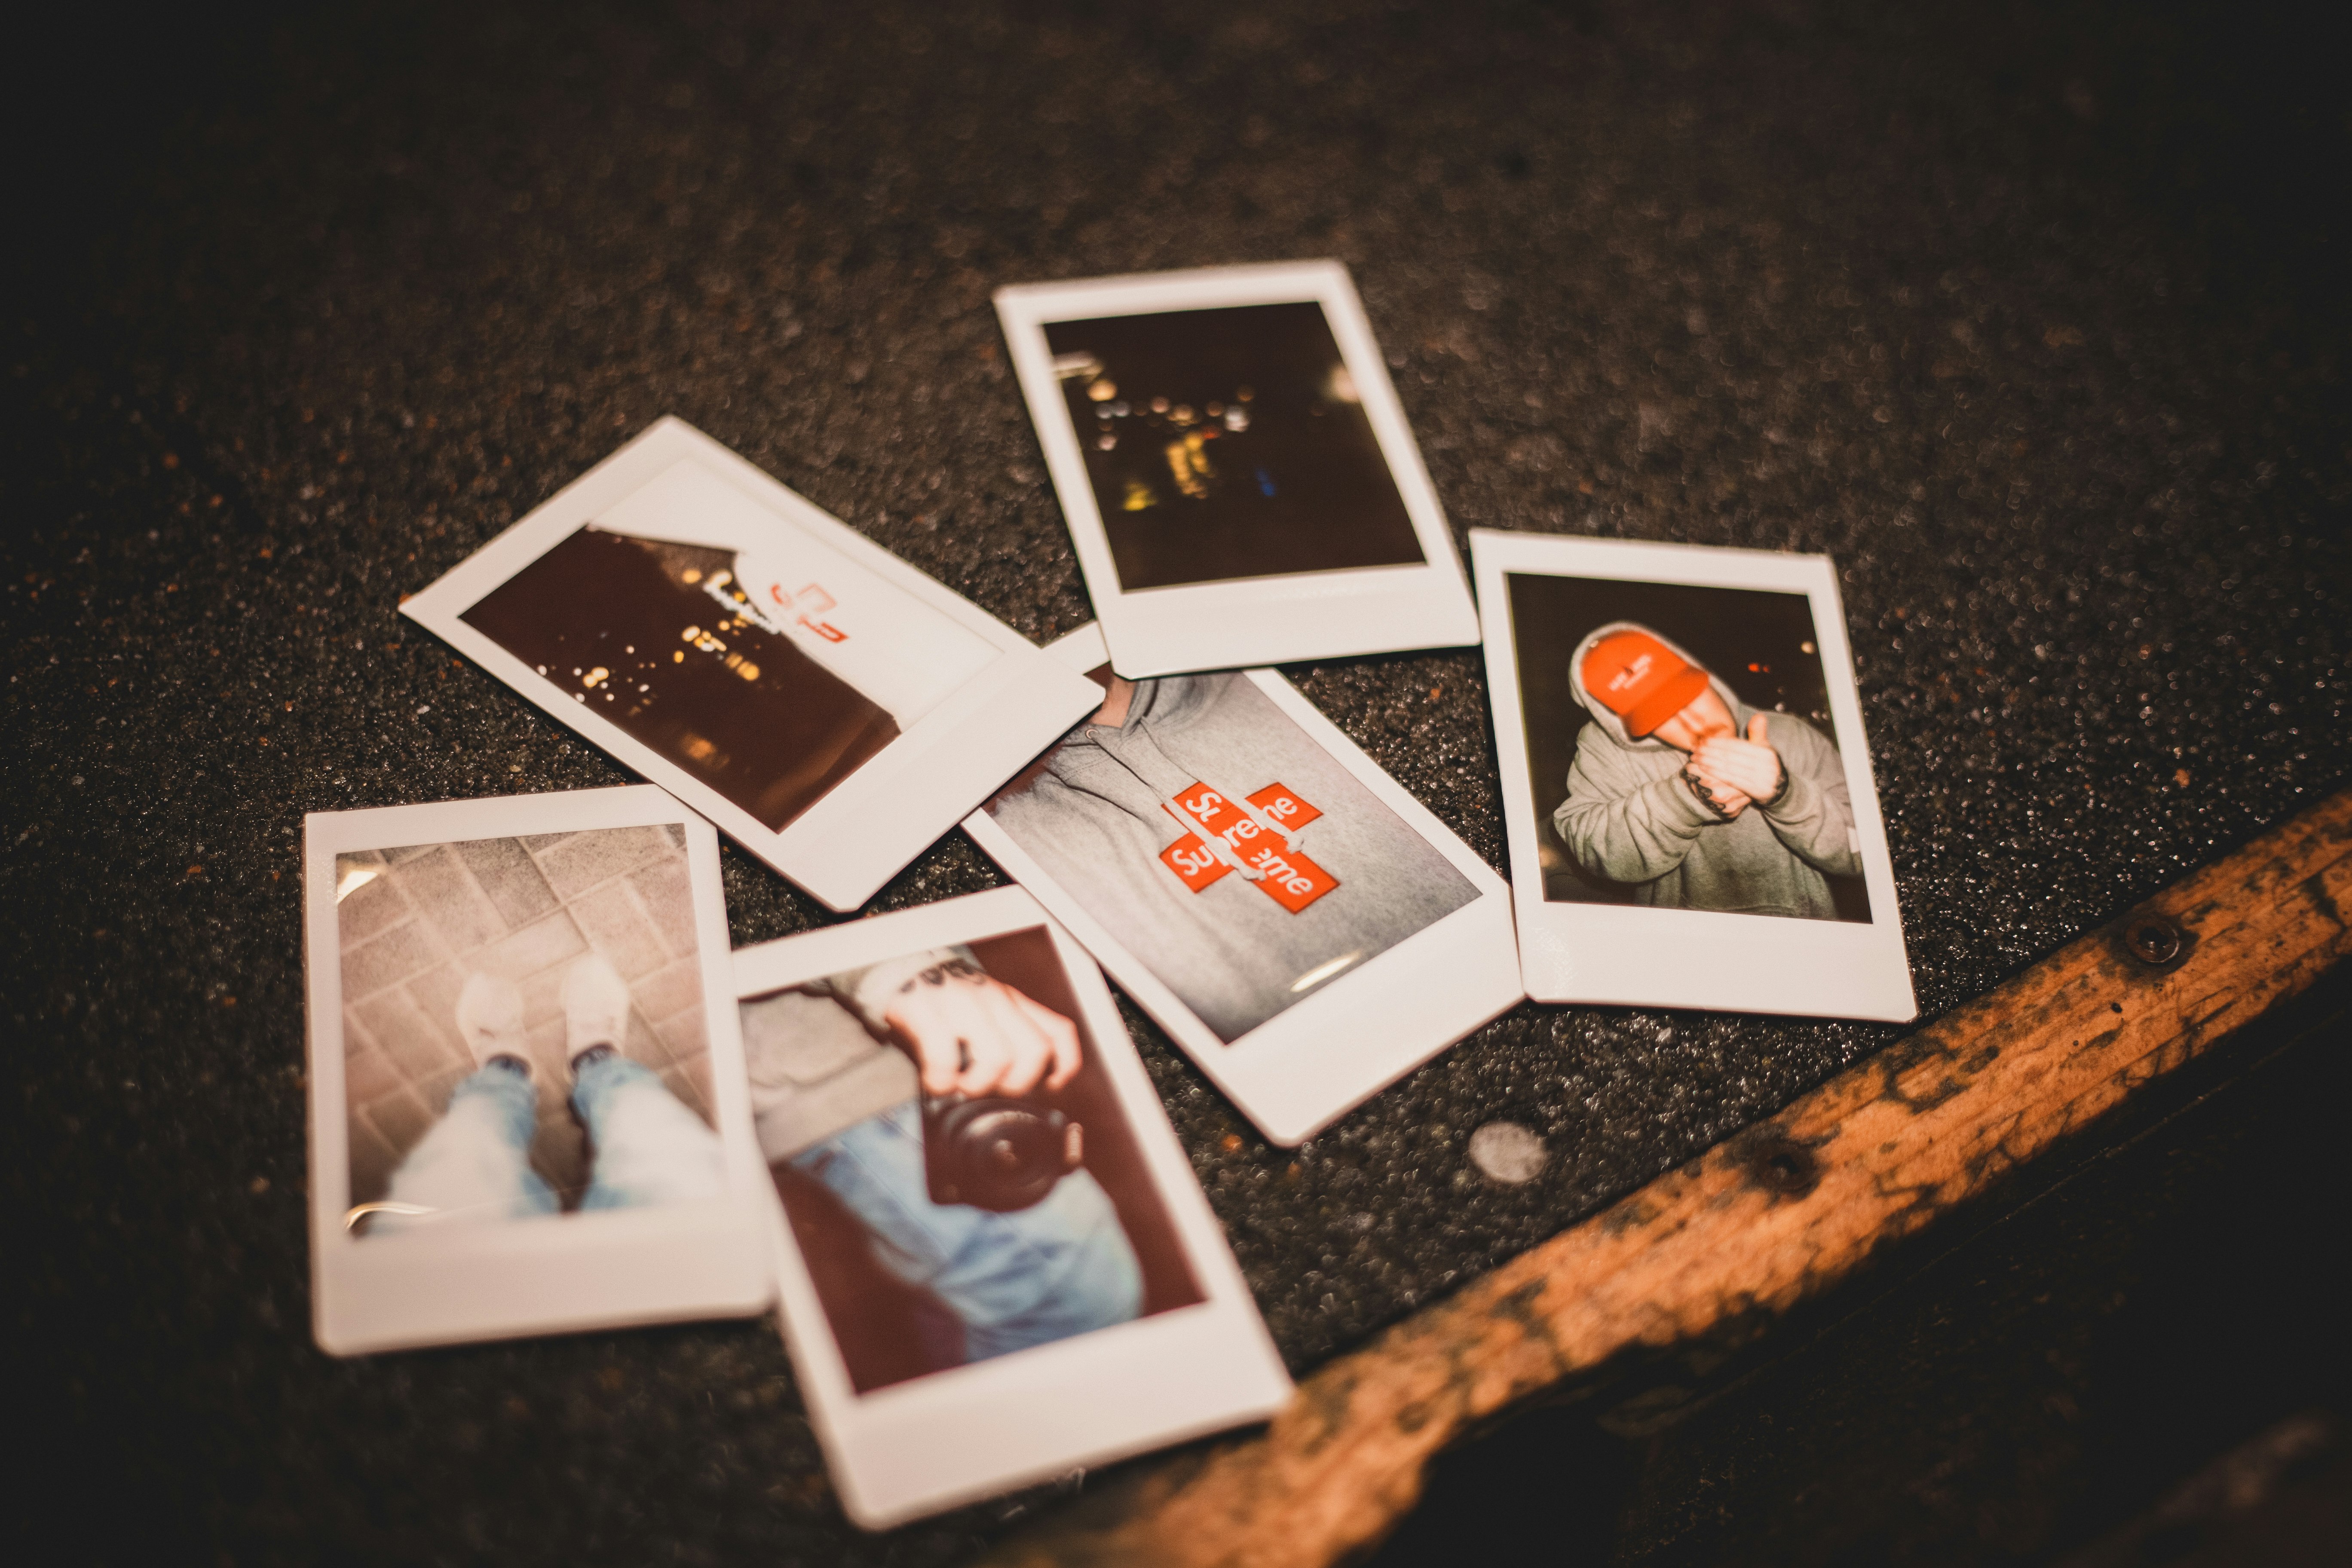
{"x":2014,"y":317}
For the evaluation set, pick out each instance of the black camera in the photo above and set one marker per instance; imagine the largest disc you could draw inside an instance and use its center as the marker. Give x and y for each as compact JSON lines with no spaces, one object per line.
{"x":993,"y":1153}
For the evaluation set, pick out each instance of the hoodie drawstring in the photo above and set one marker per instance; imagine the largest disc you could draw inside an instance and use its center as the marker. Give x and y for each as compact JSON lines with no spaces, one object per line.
{"x":1217,"y":843}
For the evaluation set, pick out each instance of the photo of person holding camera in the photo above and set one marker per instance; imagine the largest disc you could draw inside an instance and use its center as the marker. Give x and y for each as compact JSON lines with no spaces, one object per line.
{"x":912,"y":1111}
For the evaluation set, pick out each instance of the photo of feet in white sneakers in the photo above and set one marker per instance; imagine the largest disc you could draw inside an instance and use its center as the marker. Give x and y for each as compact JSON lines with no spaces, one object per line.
{"x":474,"y":1163}
{"x":523,"y":1030}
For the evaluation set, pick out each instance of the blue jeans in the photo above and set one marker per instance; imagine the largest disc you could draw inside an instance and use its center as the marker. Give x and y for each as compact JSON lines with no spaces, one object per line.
{"x":474,"y":1164}
{"x":1059,"y":1267}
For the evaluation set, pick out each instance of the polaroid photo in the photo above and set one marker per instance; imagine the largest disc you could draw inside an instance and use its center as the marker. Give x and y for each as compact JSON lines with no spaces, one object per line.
{"x":527,"y":1102}
{"x":830,"y":707}
{"x":1235,"y":469}
{"x":995,"y":1260}
{"x":1305,"y":930}
{"x":1690,"y":808}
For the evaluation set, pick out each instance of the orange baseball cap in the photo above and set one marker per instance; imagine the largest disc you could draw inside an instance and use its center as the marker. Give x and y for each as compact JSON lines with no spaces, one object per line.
{"x":1640,"y":679}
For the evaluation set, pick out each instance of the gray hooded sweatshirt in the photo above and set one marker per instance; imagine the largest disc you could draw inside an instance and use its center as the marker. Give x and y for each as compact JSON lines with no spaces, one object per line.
{"x":1099,"y":814}
{"x":1631,"y":817}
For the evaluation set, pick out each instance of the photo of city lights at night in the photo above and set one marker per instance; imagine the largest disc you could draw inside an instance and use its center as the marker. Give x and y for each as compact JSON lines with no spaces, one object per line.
{"x":1228,"y":443}
{"x":663,"y":641}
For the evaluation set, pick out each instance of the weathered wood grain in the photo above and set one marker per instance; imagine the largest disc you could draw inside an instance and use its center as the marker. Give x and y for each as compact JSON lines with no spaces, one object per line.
{"x":1754,"y":1225}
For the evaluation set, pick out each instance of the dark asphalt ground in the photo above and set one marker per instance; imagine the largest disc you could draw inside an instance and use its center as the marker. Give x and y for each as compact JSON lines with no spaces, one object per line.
{"x":2033,"y":317}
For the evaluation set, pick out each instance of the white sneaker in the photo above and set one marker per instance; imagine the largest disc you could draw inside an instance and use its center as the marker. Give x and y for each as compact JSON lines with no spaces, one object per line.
{"x":595,"y":1006}
{"x":490,"y":1016}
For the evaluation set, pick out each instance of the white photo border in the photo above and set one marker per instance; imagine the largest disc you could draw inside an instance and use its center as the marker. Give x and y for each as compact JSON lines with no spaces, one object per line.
{"x":666,"y":1263}
{"x":952,"y":1437}
{"x":1322,"y":1056}
{"x":1630,"y":956}
{"x":865,"y":829}
{"x":1257,"y":620}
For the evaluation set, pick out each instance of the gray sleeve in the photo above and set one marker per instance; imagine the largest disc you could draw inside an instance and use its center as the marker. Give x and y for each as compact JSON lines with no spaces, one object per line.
{"x":812,"y":1069}
{"x":1814,"y":815}
{"x":1621,"y":826}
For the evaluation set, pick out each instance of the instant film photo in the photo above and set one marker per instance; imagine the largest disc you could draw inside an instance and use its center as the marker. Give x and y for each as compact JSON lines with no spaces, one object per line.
{"x":832,"y":710}
{"x":995,"y":1262}
{"x":527,"y":1103}
{"x":1691,"y":815}
{"x":1235,"y":469}
{"x":1305,"y":930}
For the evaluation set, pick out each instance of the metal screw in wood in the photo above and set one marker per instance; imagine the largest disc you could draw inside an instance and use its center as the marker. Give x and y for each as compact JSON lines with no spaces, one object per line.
{"x":2153,"y":939}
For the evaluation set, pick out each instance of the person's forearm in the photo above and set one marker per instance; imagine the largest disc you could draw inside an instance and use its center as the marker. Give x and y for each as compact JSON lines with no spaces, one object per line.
{"x":867,"y":990}
{"x":1634,"y":838}
{"x":1815,"y":825}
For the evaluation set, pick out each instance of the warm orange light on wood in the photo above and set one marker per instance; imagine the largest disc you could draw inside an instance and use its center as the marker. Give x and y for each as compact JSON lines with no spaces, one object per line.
{"x":1781,"y":1213}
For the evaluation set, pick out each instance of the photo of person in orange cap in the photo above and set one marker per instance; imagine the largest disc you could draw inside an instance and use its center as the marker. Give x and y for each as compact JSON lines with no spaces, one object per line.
{"x":1694,"y":799}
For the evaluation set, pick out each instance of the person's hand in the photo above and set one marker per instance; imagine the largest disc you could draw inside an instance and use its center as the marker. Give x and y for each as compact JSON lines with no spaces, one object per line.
{"x":974,"y":1034}
{"x":1738,"y":773}
{"x":1729,"y":803}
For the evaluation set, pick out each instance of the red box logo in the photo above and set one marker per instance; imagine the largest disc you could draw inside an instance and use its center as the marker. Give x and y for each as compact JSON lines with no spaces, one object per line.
{"x":1285,"y":876}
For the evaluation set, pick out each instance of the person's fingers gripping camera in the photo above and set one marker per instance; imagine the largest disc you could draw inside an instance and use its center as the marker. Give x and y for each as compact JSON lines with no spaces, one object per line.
{"x":981,"y":1048}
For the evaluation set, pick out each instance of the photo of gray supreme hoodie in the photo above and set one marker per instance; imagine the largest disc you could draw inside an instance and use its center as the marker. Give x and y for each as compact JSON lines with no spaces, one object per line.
{"x":1630,"y":817}
{"x":1099,"y":816}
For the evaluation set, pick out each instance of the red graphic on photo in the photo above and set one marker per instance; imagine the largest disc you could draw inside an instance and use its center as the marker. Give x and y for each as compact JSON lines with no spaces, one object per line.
{"x":1284,"y":808}
{"x":812,"y":601}
{"x":1193,"y":862}
{"x":1287,"y":876}
{"x":1289,"y":879}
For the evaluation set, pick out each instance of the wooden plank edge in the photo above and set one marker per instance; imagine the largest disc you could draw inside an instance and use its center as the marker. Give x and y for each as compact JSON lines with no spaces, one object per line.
{"x":1774,"y":1215}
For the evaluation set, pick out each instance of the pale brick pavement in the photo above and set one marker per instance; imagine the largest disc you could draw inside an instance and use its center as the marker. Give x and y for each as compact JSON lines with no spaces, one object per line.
{"x":522,"y":908}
